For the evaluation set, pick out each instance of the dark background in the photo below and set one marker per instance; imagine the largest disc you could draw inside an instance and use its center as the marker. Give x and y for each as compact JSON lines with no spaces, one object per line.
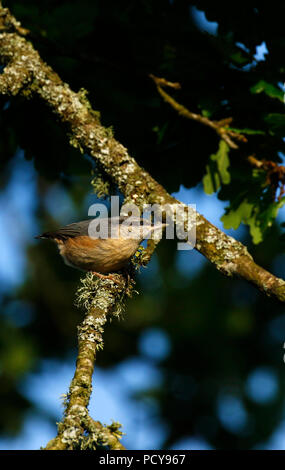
{"x":197,"y":360}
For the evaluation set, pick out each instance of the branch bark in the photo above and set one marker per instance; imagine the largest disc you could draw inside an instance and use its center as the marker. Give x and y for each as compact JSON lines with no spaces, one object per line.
{"x":100,"y":299}
{"x":27,"y":73}
{"x":221,"y":127}
{"x":275,"y":174}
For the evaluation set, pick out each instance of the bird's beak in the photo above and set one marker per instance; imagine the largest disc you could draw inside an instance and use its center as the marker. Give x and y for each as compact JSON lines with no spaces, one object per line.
{"x":155,"y":229}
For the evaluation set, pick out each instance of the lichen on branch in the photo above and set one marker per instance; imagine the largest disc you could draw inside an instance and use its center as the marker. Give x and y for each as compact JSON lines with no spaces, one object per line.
{"x":100,"y":299}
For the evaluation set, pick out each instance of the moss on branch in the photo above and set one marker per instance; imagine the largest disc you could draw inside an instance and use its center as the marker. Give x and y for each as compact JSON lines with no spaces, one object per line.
{"x":100,"y":299}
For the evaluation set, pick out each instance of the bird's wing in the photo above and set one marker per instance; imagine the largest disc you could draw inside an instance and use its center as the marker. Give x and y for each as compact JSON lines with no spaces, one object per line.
{"x":69,"y":231}
{"x":78,"y":229}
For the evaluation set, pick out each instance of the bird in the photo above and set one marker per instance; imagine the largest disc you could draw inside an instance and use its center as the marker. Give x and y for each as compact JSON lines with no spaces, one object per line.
{"x":101,"y":245}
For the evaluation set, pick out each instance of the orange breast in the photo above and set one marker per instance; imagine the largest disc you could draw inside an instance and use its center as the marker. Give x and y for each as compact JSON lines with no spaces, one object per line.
{"x":100,"y":255}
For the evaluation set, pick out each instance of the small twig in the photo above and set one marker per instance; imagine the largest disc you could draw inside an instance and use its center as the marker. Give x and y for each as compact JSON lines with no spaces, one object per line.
{"x":9,"y":22}
{"x":275,"y":174}
{"x":221,"y":127}
{"x":107,"y":436}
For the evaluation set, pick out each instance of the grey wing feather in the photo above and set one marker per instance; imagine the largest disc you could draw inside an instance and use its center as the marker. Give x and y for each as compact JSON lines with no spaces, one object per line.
{"x":69,"y":231}
{"x":81,"y":228}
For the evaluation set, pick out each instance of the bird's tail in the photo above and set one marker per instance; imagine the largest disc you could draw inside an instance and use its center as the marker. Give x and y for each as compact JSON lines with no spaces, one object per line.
{"x":46,"y":235}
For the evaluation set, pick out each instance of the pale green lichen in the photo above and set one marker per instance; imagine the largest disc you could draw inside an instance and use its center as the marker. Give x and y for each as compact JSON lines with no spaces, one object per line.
{"x":74,"y":142}
{"x":101,"y":298}
{"x":86,"y":293}
{"x":98,"y":436}
{"x":100,"y":186}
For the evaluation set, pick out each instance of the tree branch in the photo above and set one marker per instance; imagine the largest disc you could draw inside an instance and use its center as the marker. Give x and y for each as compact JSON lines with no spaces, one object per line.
{"x":275,"y":174}
{"x":220,"y":127}
{"x":101,"y":299}
{"x":88,"y":135}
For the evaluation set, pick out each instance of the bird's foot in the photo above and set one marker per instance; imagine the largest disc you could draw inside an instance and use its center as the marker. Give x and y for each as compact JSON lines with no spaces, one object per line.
{"x":111,"y":277}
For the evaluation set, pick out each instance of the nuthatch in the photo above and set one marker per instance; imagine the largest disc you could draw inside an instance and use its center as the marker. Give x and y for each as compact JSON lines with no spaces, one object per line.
{"x":101,"y":245}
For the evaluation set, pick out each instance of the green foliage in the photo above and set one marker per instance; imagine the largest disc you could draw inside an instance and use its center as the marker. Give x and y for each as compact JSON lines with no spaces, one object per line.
{"x":247,"y":131}
{"x":269,"y":89}
{"x":276,"y":123}
{"x":258,"y":217}
{"x":252,"y":203}
{"x":217,"y":170}
{"x":252,"y":199}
